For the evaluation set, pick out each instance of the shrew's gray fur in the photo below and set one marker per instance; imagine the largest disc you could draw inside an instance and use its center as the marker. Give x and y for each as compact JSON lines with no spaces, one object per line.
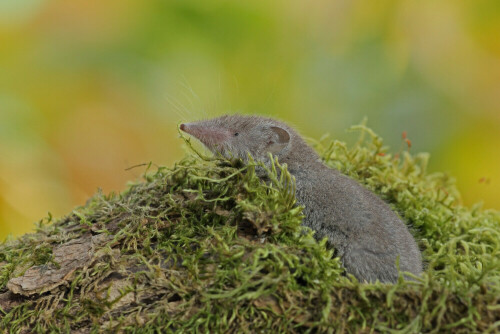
{"x":367,"y":234}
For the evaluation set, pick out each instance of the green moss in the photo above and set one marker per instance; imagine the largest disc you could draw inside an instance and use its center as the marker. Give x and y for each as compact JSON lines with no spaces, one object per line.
{"x":206,"y":246}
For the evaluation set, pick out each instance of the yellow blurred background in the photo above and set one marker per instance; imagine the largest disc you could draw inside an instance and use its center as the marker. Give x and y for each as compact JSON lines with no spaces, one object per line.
{"x":89,"y":88}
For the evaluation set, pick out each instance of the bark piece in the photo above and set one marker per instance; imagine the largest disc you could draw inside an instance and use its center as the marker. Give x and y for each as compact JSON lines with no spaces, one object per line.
{"x":70,"y":256}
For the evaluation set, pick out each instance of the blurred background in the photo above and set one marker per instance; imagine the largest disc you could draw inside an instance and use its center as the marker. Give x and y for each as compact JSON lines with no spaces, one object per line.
{"x":89,"y":88}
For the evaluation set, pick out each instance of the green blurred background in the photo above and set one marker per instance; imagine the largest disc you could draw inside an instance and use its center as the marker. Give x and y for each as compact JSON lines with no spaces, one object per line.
{"x":89,"y":88}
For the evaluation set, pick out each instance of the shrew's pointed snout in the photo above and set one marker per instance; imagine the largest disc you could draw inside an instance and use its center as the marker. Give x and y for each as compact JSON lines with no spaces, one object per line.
{"x":193,"y":129}
{"x":188,"y":128}
{"x":206,"y":133}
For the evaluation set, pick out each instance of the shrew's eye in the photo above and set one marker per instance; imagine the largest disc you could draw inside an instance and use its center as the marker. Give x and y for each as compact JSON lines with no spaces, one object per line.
{"x":236,"y":134}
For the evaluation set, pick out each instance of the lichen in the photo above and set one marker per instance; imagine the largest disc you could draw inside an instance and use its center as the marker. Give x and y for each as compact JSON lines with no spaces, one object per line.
{"x":208,"y":246}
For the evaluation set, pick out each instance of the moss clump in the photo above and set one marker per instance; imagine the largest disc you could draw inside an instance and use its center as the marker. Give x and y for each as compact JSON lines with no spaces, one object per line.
{"x":207,"y":246}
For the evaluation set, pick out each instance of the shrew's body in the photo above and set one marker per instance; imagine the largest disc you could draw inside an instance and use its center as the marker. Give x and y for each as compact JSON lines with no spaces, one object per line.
{"x":367,"y":234}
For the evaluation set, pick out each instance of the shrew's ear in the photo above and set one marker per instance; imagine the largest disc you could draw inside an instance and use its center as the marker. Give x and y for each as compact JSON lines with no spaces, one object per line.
{"x":279,"y":140}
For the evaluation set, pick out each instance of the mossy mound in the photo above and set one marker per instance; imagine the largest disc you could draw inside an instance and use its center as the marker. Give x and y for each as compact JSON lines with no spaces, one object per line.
{"x":207,"y":246}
